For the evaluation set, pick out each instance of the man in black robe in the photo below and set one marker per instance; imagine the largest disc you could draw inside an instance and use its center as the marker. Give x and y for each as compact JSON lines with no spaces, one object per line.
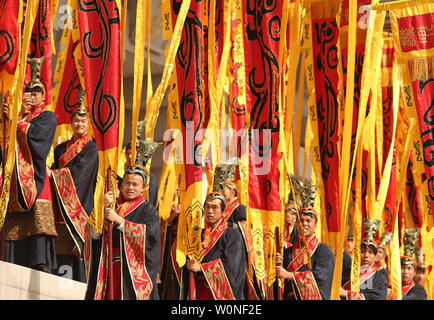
{"x":410,"y":289}
{"x":74,"y":173}
{"x":29,"y":224}
{"x":306,"y":280}
{"x":221,"y":273}
{"x":373,"y":279}
{"x":136,"y":241}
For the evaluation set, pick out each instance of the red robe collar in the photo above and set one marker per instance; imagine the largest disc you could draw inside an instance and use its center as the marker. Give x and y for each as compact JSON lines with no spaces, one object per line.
{"x":73,"y":148}
{"x":406,"y":287}
{"x":212,"y":236}
{"x":300,"y":253}
{"x":126,"y":207}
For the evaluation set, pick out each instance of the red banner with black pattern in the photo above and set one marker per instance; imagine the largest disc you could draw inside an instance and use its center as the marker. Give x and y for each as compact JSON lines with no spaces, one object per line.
{"x":9,"y":35}
{"x":67,"y":98}
{"x":325,"y":33}
{"x":261,"y":49}
{"x":99,"y":24}
{"x":40,"y":46}
{"x":190,"y":98}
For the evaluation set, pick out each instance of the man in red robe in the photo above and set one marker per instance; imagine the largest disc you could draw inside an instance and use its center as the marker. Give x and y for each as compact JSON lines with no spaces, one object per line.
{"x":135,"y":240}
{"x":29,"y":225}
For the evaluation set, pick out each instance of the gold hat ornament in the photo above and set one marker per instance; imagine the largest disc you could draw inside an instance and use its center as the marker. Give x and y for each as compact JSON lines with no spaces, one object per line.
{"x":81,"y":109}
{"x":144,"y":151}
{"x":420,"y":258}
{"x":35,"y":75}
{"x":295,"y":186}
{"x":224,"y":175}
{"x":307,"y":198}
{"x":386,"y":238}
{"x":370,"y":228}
{"x":411,"y":237}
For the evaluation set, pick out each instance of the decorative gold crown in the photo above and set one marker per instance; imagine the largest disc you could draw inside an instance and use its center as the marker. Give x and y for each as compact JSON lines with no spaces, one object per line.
{"x":145,"y":149}
{"x":411,"y":237}
{"x":294,"y":184}
{"x":224,"y":174}
{"x":307,"y":197}
{"x":386,"y":238}
{"x":370,"y":228}
{"x":35,"y":74}
{"x":81,"y":109}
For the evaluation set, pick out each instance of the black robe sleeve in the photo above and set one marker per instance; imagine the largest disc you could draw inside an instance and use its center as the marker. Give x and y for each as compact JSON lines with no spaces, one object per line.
{"x":230,"y":250}
{"x":346,"y":268}
{"x":147,"y":214}
{"x":234,"y":261}
{"x":418,"y":292}
{"x":375,"y":288}
{"x":40,"y":137}
{"x":323,"y":265}
{"x":84,"y":171}
{"x":153,"y":189}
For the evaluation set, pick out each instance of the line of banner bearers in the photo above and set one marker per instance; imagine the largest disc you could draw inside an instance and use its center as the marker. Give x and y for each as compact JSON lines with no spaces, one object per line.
{"x":46,"y":227}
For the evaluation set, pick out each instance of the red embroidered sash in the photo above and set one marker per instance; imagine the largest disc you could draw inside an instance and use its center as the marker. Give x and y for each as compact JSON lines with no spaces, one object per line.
{"x":217,"y":280}
{"x":365,"y":274}
{"x":73,"y":147}
{"x":230,"y":209}
{"x":134,"y":247}
{"x":24,"y":170}
{"x":299,"y":253}
{"x":215,"y":236}
{"x":72,"y":210}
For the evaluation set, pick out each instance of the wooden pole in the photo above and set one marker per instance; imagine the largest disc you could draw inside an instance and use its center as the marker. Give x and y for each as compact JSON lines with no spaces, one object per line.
{"x":279,"y":250}
{"x":5,"y":134}
{"x":110,"y":242}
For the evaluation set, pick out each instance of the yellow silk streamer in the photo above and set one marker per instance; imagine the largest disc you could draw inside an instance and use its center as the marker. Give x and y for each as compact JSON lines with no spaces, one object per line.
{"x":155,"y":101}
{"x":17,"y":89}
{"x":373,"y":44}
{"x":139,"y":57}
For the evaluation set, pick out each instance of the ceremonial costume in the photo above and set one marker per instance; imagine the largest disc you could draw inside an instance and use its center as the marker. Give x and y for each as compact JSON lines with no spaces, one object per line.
{"x":373,"y":278}
{"x":235,"y":216}
{"x":136,"y":245}
{"x":136,"y":255}
{"x":74,"y":174}
{"x":312,"y":282}
{"x":309,"y":283}
{"x":223,"y":265}
{"x":373,"y":285}
{"x":29,"y":224}
{"x":410,"y":289}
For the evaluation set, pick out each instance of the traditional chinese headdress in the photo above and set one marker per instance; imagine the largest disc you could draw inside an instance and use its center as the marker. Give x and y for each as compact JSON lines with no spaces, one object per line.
{"x":386,"y":238}
{"x":295,"y":186}
{"x":411,"y":237}
{"x":35,"y":75}
{"x":144,"y":151}
{"x":370,"y":228}
{"x":307,"y":197}
{"x":81,"y":108}
{"x":224,"y":175}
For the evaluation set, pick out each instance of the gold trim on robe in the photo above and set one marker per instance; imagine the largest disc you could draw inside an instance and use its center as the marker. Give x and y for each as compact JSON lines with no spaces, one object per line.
{"x":217,"y":280}
{"x":71,"y":208}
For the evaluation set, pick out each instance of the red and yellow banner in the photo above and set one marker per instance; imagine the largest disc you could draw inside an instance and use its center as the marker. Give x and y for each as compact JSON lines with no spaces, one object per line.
{"x":100,"y":41}
{"x":261,"y":52}
{"x":41,"y":46}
